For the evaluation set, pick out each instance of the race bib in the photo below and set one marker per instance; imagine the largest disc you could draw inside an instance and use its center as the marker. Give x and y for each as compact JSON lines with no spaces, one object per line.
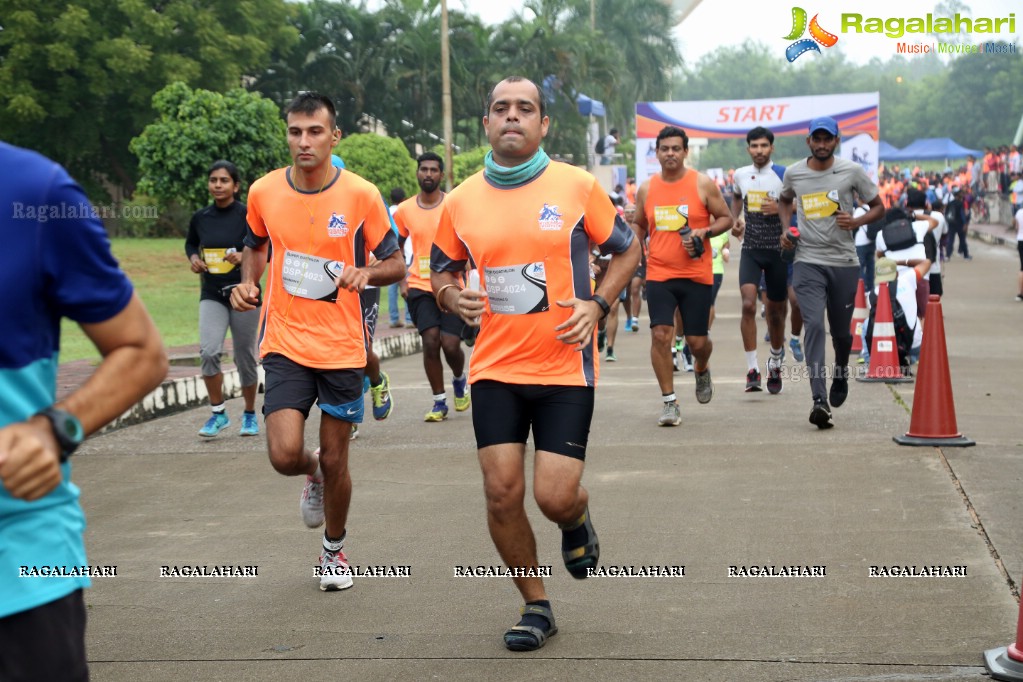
{"x":820,"y":205}
{"x":216,"y":261}
{"x":755,"y":200}
{"x":424,"y":267}
{"x":671,"y":218}
{"x":517,"y":289}
{"x":310,"y":276}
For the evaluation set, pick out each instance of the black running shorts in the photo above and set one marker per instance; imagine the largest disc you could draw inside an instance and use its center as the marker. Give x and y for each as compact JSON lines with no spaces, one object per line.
{"x":427,"y":315}
{"x":691,"y":298}
{"x":290,"y":385}
{"x":753,"y":262}
{"x":45,"y":643}
{"x":559,"y":416}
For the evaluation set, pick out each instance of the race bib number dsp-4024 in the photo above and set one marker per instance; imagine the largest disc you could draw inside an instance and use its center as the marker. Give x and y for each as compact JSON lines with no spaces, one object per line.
{"x":517,"y":289}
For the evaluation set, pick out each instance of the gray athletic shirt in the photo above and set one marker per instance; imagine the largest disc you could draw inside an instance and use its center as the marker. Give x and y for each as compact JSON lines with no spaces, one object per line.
{"x":819,"y":195}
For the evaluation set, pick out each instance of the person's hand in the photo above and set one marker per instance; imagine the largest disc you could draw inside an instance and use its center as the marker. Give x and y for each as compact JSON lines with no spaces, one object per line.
{"x":29,"y":459}
{"x":353,"y":279}
{"x":578,"y":328}
{"x":471,"y":306}
{"x":844,"y":220}
{"x":739,"y":228}
{"x":786,"y":243}
{"x":234,"y":258}
{"x":198,"y":265}
{"x":769,"y":206}
{"x":244,"y":296}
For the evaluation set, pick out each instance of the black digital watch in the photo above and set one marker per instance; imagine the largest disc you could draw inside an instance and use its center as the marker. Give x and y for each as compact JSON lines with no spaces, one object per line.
{"x":66,"y":429}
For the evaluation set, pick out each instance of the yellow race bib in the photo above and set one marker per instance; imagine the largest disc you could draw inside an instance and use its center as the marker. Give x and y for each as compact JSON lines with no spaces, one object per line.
{"x":216,"y":261}
{"x":671,"y":218}
{"x":820,"y":205}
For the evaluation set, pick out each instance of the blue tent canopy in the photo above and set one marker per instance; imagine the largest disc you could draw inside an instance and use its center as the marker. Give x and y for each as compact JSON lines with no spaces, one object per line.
{"x":934,"y":148}
{"x":589,"y":107}
{"x":887,"y":152}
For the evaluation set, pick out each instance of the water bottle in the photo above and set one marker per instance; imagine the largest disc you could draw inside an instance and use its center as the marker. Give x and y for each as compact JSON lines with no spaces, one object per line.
{"x":788,"y":255}
{"x":697,"y":243}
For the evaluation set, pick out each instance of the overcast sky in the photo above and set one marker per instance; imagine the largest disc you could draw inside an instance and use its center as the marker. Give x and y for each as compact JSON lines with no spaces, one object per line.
{"x":714,"y":24}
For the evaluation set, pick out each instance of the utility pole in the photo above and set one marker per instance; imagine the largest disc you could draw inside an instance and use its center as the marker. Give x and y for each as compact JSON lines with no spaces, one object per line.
{"x":445,"y":69}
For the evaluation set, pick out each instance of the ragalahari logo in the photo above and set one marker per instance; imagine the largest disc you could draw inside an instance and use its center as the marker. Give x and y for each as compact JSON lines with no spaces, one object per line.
{"x":804,"y":45}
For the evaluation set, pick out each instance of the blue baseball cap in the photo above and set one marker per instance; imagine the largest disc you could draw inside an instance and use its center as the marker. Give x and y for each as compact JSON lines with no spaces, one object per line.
{"x":825,"y":123}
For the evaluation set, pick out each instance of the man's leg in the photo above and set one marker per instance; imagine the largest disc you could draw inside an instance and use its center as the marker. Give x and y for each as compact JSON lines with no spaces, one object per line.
{"x":612,"y":330}
{"x":811,"y":285}
{"x":337,"y":479}
{"x":842,"y":284}
{"x":431,"y":359}
{"x":662,"y":337}
{"x":504,"y":486}
{"x":635,"y":296}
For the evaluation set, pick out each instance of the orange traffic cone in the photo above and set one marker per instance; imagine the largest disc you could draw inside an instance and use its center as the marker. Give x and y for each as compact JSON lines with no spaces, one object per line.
{"x":884,"y":353}
{"x":933,"y":421}
{"x":1006,"y":662}
{"x":859,"y":318}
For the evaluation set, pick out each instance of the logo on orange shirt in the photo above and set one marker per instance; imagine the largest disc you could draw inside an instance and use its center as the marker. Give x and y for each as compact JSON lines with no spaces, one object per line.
{"x":337,"y":227}
{"x":550,"y":218}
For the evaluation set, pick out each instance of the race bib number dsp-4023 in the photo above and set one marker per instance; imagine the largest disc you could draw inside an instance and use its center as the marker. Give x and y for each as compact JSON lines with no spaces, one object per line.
{"x":311,"y":276}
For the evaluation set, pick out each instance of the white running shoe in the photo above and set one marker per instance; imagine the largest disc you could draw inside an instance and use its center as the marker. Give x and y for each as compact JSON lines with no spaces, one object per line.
{"x":335,"y":573}
{"x":312,"y":500}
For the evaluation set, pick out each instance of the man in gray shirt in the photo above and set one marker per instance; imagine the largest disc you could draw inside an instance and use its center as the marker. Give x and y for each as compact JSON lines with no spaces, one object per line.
{"x":826,"y":269}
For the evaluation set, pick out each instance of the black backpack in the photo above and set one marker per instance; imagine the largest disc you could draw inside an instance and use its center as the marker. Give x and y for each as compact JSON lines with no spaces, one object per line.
{"x":954,"y":212}
{"x":599,"y":148}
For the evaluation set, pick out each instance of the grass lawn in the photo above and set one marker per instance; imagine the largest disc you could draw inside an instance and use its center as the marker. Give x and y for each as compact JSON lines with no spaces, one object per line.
{"x":165,"y":282}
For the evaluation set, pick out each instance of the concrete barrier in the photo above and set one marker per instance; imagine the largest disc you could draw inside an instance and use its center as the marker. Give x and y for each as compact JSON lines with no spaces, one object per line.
{"x":184,"y":393}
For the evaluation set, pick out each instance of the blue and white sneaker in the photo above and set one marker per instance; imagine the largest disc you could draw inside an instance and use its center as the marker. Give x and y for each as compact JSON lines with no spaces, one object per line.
{"x":217,"y":422}
{"x":462,"y":399}
{"x":797,"y":349}
{"x":250,"y":425}
{"x":382,"y":397}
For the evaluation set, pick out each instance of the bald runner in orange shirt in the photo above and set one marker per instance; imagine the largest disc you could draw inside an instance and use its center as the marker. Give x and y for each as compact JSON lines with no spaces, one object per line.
{"x":322,"y":221}
{"x":527,"y":223}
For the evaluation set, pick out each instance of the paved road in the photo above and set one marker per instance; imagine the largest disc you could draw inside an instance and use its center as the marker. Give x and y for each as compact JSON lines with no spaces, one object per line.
{"x":745,"y":481}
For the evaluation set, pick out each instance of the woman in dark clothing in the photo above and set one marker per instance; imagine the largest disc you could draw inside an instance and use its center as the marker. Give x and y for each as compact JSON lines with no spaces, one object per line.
{"x":214,"y":248}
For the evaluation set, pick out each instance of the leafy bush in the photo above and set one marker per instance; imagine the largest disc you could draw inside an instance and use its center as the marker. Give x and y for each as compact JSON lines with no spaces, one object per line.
{"x":384,"y":161}
{"x":196,"y":128}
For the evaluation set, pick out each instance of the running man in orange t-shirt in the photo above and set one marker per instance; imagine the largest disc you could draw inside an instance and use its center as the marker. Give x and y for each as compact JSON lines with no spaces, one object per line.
{"x":527,"y":223}
{"x":418,"y":218}
{"x":679,"y":274}
{"x":322,"y":221}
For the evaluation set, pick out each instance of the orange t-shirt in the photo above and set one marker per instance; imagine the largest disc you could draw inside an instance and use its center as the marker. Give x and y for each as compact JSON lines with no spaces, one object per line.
{"x":531,"y":245}
{"x":314,"y":236}
{"x":421,"y":224}
{"x":669,"y":206}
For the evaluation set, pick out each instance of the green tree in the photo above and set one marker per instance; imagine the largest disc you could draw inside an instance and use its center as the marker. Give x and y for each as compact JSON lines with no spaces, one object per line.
{"x":468,"y":163}
{"x":384,"y":161}
{"x":84,"y":74}
{"x":197,"y":127}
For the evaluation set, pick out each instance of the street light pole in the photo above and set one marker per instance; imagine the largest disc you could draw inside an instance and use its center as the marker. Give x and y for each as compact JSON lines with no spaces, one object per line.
{"x":445,"y":68}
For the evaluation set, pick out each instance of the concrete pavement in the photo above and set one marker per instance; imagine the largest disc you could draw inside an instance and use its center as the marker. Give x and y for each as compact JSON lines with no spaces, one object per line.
{"x":745,"y":481}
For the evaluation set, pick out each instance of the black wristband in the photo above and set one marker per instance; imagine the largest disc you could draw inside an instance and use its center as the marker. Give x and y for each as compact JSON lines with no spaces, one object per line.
{"x":599,"y":300}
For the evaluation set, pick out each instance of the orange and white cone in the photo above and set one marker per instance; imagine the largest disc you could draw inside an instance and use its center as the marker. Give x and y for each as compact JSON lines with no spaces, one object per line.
{"x":884,"y":353}
{"x":859,"y":318}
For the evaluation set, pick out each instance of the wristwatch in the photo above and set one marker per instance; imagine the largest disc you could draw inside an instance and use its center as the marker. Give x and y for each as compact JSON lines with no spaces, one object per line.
{"x":66,"y":429}
{"x":599,"y":300}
